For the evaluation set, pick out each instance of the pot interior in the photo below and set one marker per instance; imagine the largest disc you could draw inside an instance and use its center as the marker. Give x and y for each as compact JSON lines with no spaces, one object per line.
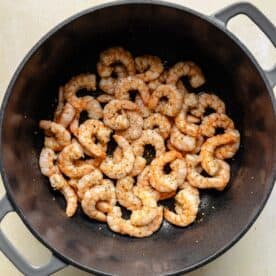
{"x":174,"y":35}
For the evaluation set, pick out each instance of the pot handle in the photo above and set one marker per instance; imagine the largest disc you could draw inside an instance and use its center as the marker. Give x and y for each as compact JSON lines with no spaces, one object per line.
{"x":16,"y":258}
{"x":256,"y":16}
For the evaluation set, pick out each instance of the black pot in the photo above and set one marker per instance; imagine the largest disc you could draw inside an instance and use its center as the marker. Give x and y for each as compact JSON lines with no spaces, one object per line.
{"x":173,"y":33}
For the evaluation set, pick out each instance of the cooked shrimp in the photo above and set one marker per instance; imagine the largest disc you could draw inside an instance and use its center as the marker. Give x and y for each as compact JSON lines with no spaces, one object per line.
{"x":189,"y":69}
{"x":105,"y":98}
{"x":172,"y":105}
{"x":104,"y":192}
{"x":125,"y":85}
{"x":159,"y":123}
{"x":66,"y":116}
{"x":182,"y":142}
{"x":167,"y":182}
{"x":205,"y":101}
{"x":61,"y":137}
{"x":149,"y":67}
{"x":157,"y":82}
{"x":125,"y":194}
{"x":87,"y":81}
{"x":135,"y":126}
{"x":219,"y":181}
{"x":58,"y":182}
{"x":181,"y":87}
{"x":143,"y":109}
{"x":122,"y":226}
{"x":186,"y":207}
{"x":113,"y":116}
{"x":120,"y":169}
{"x":66,"y":160}
{"x":47,"y":160}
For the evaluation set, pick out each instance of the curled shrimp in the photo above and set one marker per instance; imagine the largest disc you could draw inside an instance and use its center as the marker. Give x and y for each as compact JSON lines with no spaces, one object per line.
{"x":119,"y":225}
{"x":125,"y":194}
{"x":149,"y":67}
{"x":167,"y":182}
{"x":186,"y":207}
{"x":58,"y":182}
{"x":47,"y":160}
{"x":219,"y":181}
{"x":208,"y":161}
{"x":120,"y":169}
{"x":148,"y":137}
{"x":173,"y":103}
{"x":59,"y":136}
{"x":143,"y":109}
{"x":88,"y":131}
{"x":135,"y":126}
{"x":211,"y":101}
{"x":105,"y":193}
{"x":125,"y":85}
{"x":182,"y":142}
{"x":113,"y":114}
{"x":67,"y":158}
{"x":157,"y":82}
{"x":159,"y":123}
{"x":87,"y":81}
{"x":105,"y":98}
{"x":189,"y":69}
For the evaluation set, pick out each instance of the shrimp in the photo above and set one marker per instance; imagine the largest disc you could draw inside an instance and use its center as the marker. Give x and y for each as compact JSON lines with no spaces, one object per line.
{"x":159,"y":123}
{"x":143,"y":109}
{"x":66,"y":159}
{"x":182,"y":142}
{"x":115,"y":55}
{"x":130,"y":83}
{"x":58,"y":182}
{"x":181,"y":87}
{"x":148,"y":137}
{"x":105,"y":193}
{"x":219,"y":181}
{"x":189,"y":69}
{"x":205,"y":101}
{"x":191,"y":129}
{"x":209,"y":163}
{"x":149,"y":67}
{"x":172,"y":106}
{"x":186,"y":207}
{"x":157,"y":82}
{"x":61,"y":137}
{"x":135,"y":126}
{"x":87,"y":133}
{"x":122,"y":168}
{"x":125,"y":194}
{"x":167,"y":182}
{"x":47,"y":160}
{"x":105,"y":98}
{"x":119,"y":225}
{"x":66,"y":116}
{"x":87,"y":81}
{"x":112,"y":117}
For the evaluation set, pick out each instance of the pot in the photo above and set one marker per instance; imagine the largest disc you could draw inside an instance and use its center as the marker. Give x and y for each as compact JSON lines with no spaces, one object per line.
{"x":174,"y":33}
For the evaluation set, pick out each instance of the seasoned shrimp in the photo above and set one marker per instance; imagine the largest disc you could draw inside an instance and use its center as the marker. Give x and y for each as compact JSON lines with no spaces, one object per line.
{"x":159,"y":123}
{"x":113,"y":116}
{"x":119,"y":225}
{"x":66,"y":116}
{"x":172,"y":105}
{"x":60,"y":137}
{"x":149,"y":67}
{"x":219,"y":181}
{"x":87,"y":81}
{"x":125,"y":194}
{"x":88,"y":131}
{"x":125,"y":85}
{"x":143,"y":109}
{"x":148,"y":137}
{"x":105,"y":193}
{"x":58,"y":182}
{"x":157,"y":82}
{"x":182,"y":142}
{"x":209,"y":163}
{"x":211,"y":101}
{"x":186,"y":207}
{"x":105,"y":98}
{"x":120,"y":169}
{"x":135,"y":126}
{"x":189,"y":69}
{"x":47,"y":160}
{"x":167,"y":182}
{"x":66,"y":158}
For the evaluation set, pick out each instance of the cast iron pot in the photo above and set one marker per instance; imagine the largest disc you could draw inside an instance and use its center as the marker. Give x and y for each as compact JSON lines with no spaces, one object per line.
{"x":173,"y":33}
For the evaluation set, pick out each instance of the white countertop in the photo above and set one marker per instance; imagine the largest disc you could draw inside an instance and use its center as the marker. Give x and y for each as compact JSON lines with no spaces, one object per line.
{"x":23,"y":22}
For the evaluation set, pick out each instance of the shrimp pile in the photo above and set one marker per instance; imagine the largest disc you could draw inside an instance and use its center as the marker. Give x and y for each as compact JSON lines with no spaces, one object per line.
{"x":146,"y":138}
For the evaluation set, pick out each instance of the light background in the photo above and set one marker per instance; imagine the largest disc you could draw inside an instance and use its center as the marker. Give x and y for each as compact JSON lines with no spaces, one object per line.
{"x":23,"y":22}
